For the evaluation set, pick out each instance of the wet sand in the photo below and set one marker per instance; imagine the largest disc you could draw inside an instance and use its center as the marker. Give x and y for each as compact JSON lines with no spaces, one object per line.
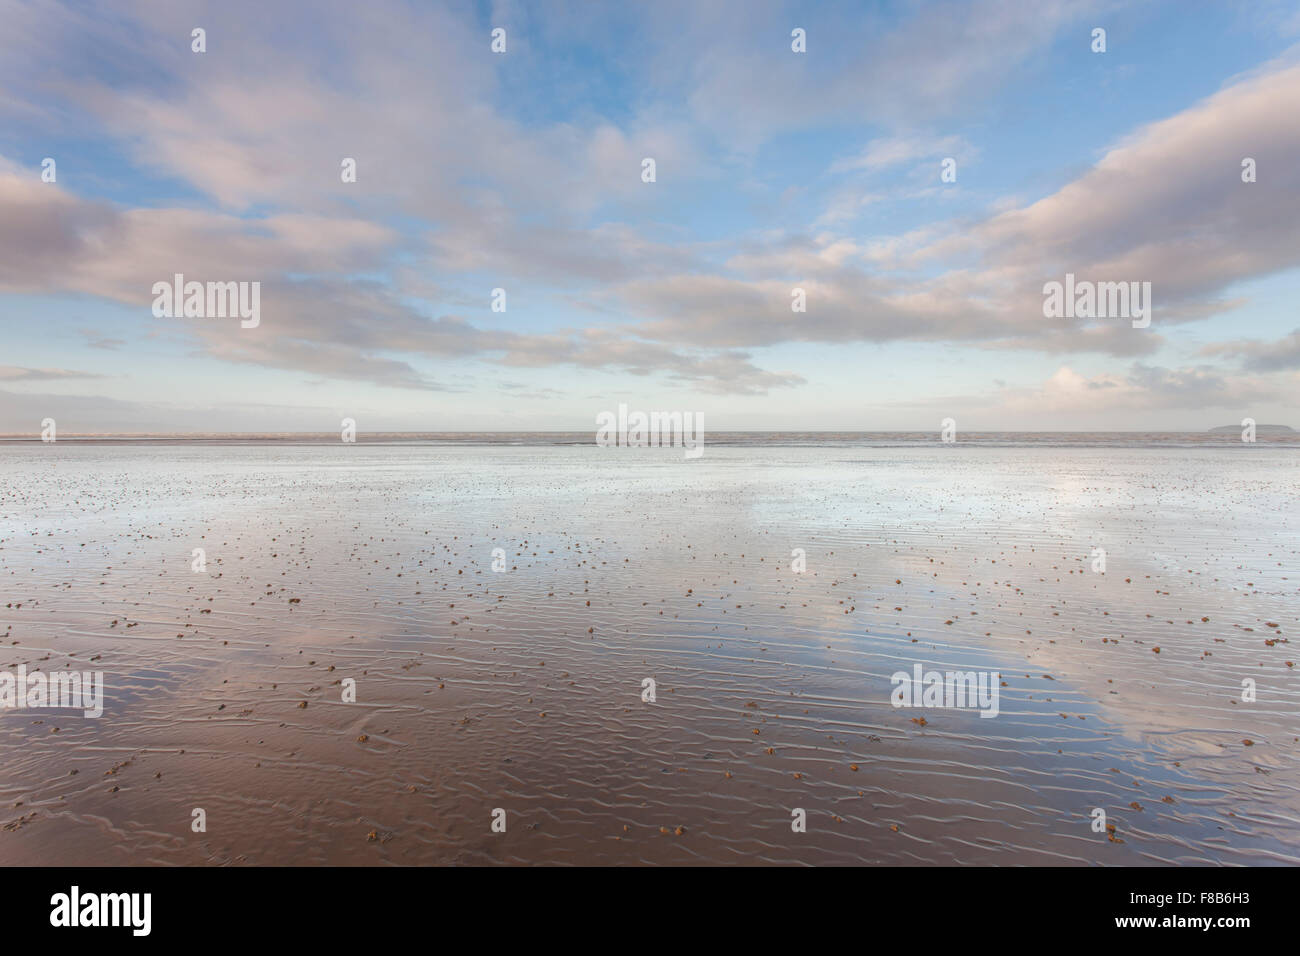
{"x":521,"y":690}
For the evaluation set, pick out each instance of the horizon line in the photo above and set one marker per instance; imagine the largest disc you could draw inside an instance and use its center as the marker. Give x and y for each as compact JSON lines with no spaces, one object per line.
{"x":277,"y":433}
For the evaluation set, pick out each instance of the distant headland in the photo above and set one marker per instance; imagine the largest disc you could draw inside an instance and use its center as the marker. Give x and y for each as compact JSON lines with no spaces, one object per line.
{"x":1259,"y":430}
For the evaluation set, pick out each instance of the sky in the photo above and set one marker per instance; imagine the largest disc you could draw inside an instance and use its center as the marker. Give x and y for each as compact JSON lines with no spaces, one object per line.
{"x":524,"y":171}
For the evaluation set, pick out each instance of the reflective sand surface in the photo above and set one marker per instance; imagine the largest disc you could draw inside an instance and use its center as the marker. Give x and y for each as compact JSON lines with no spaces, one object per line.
{"x":522,"y":690}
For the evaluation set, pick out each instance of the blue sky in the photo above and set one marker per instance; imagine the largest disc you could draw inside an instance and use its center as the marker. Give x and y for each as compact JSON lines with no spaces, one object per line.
{"x":522,"y":171}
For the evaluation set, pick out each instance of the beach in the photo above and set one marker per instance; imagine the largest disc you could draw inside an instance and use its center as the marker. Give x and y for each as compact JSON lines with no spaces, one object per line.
{"x":524,"y":689}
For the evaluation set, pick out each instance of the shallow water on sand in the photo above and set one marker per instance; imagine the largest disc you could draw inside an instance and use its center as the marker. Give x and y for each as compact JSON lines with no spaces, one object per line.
{"x":522,"y":690}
